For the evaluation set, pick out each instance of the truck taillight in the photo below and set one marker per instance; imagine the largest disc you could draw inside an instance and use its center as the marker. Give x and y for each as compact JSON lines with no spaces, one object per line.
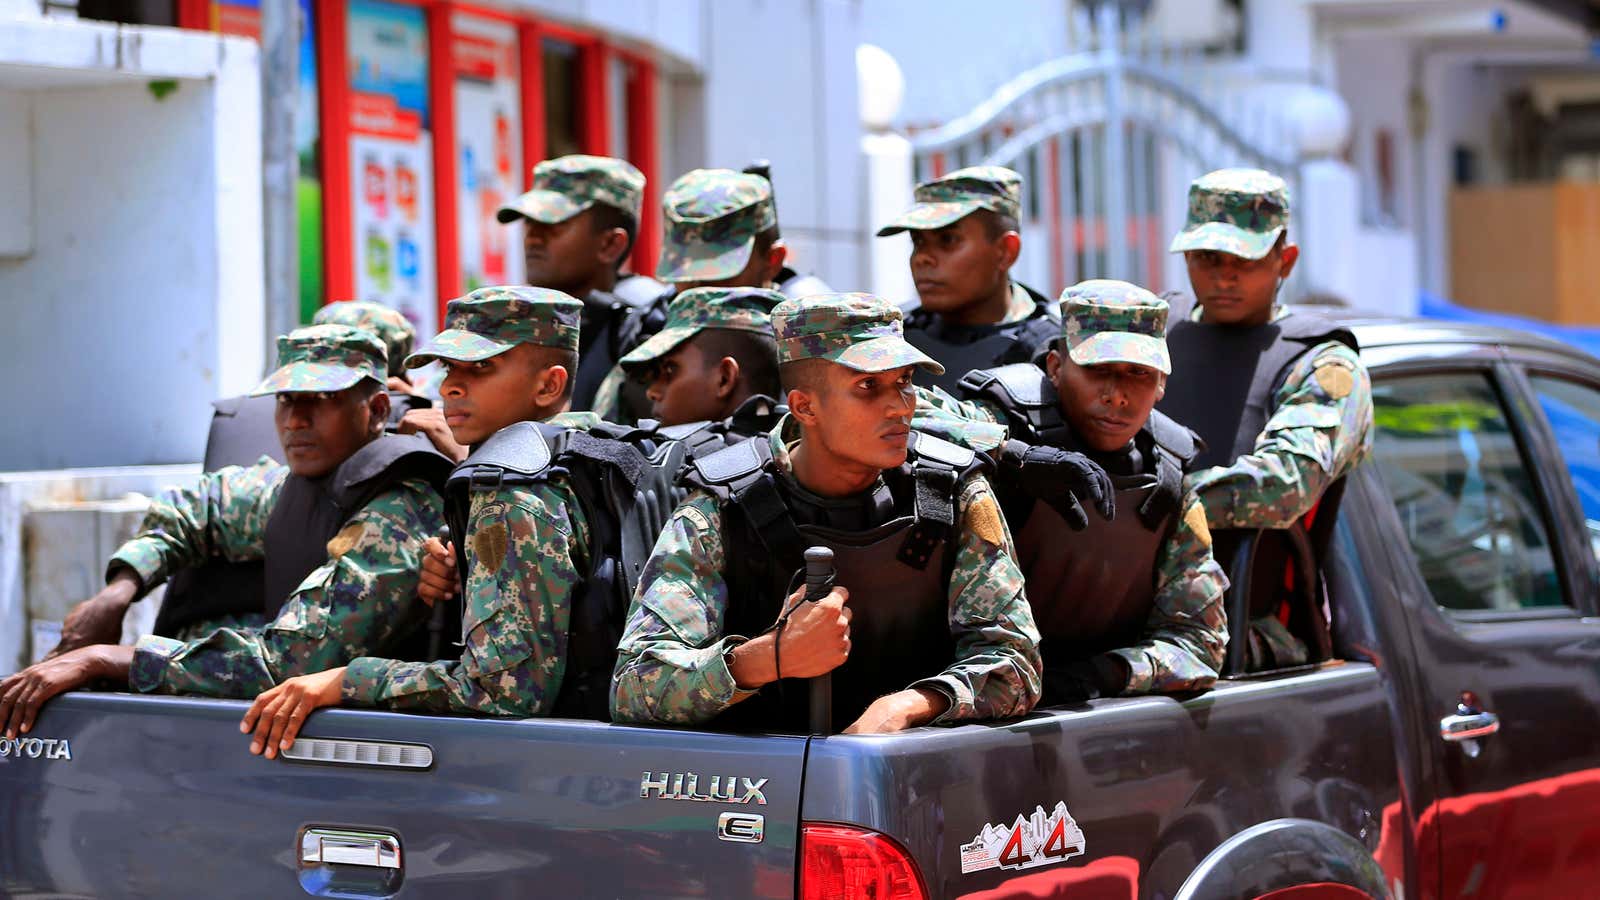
{"x":838,"y":862}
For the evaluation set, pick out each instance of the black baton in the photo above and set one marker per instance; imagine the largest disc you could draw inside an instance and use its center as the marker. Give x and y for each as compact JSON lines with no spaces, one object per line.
{"x":819,"y":581}
{"x":436,"y":620}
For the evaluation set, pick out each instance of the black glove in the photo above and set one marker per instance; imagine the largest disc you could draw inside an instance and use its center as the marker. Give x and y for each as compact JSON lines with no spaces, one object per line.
{"x":1062,"y":478}
{"x":1087,"y":679}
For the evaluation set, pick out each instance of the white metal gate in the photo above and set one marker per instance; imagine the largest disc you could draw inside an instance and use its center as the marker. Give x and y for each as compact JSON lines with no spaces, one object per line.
{"x":1094,"y":132}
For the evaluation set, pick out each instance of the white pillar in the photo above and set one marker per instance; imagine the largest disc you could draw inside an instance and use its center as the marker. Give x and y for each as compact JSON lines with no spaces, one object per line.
{"x":889,"y":170}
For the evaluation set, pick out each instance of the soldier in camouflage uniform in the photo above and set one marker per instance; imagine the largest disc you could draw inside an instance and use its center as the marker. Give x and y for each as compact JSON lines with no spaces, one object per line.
{"x":721,"y":231}
{"x":507,"y":352}
{"x":579,"y":223}
{"x":362,"y":597}
{"x":1130,"y":604}
{"x":941,"y":630}
{"x":1280,"y":396}
{"x":964,"y":240}
{"x":715,"y":360}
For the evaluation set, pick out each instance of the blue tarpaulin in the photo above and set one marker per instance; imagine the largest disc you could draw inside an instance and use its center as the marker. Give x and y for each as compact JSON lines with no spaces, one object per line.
{"x":1585,"y":338}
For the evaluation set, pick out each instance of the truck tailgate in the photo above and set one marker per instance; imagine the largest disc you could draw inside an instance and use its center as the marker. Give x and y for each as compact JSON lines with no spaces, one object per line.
{"x":160,"y":797}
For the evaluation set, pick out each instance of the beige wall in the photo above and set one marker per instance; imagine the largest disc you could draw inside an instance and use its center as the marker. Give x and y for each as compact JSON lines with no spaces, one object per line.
{"x":1528,"y":249}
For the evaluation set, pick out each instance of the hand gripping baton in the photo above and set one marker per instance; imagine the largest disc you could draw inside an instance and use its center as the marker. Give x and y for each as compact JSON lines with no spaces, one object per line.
{"x":819,"y":581}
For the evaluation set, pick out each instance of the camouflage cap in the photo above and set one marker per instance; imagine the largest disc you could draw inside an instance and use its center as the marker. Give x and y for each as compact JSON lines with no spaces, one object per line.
{"x":325,"y":358}
{"x":1107,"y":321}
{"x":860,"y":331}
{"x":568,"y":185}
{"x":712,"y":217}
{"x":489,"y":321}
{"x":957,"y":195}
{"x":389,"y":325}
{"x":1237,"y":211}
{"x":693,"y":311}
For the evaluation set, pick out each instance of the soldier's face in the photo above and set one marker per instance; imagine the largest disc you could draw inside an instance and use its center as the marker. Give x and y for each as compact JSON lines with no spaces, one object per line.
{"x":319,"y":430}
{"x":566,"y":256}
{"x":1106,"y":404}
{"x":861,"y":419}
{"x":482,"y":397}
{"x":687,"y":385}
{"x":959,"y":265}
{"x":1232,"y":290}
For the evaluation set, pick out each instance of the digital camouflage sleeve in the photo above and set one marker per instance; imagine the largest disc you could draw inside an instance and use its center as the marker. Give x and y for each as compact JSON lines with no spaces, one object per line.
{"x":364,"y":596}
{"x":1186,"y":635}
{"x":672,"y":666}
{"x":973,"y":424}
{"x":1320,"y":427}
{"x":224,"y":515}
{"x":527,"y":551}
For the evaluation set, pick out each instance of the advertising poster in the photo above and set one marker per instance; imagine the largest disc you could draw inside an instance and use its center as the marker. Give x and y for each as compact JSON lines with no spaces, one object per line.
{"x":488,"y":148}
{"x":391,"y":160}
{"x":243,"y":17}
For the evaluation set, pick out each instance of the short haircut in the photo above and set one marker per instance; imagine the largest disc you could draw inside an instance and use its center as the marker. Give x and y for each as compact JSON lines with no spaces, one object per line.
{"x":545,"y":357}
{"x":809,"y":375}
{"x":996,"y":224}
{"x":756,"y":354}
{"x":603,"y":217}
{"x":765,"y":238}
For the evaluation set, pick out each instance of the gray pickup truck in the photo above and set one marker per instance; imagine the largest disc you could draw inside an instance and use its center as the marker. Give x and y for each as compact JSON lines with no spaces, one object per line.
{"x":1445,"y":743}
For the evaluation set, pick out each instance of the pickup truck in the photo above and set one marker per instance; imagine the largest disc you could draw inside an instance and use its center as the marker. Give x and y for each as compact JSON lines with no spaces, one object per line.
{"x":1444,"y":742}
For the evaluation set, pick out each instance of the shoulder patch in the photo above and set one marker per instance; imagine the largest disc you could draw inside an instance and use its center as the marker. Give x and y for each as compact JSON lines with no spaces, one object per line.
{"x":983,"y":517}
{"x":489,"y":543}
{"x":1334,"y":375}
{"x":695,"y":517}
{"x":1195,"y":518}
{"x":346,"y":539}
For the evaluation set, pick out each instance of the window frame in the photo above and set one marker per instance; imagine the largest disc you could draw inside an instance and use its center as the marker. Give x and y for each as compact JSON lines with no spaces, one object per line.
{"x":1534,"y":443}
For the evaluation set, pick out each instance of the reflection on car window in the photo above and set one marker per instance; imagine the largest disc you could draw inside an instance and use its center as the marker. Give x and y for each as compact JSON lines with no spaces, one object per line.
{"x":1574,"y":414}
{"x":1463,"y":493}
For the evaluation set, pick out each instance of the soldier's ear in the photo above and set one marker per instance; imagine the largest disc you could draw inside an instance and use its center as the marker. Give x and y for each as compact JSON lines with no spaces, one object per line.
{"x":1287,"y":257}
{"x":802,"y":405}
{"x":378,"y":406}
{"x":612,"y":246}
{"x":777,"y":254}
{"x":1010,"y":248}
{"x":726,"y":378}
{"x":1052,"y":365}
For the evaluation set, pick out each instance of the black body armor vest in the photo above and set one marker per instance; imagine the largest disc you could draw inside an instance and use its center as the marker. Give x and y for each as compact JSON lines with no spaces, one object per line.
{"x":605,"y":333}
{"x":897,"y":569}
{"x":623,"y":479}
{"x":1226,"y":376}
{"x":307,"y":514}
{"x":1091,"y":590}
{"x":962,"y":348}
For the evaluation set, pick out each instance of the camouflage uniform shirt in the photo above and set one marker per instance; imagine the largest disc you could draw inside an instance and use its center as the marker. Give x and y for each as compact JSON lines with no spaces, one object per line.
{"x":1320,"y":427}
{"x":364,"y":595}
{"x":672,"y":666}
{"x":527,"y":551}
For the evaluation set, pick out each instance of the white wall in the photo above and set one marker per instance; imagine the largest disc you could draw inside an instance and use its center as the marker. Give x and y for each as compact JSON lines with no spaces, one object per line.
{"x":142,"y":299}
{"x":789,"y":95}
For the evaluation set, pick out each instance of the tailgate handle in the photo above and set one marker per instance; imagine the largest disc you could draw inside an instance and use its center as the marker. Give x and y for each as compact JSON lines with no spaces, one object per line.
{"x":350,"y":848}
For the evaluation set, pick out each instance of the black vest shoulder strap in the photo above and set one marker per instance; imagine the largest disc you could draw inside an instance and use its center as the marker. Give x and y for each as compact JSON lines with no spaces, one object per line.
{"x":1024,"y":393}
{"x":1175,"y":449}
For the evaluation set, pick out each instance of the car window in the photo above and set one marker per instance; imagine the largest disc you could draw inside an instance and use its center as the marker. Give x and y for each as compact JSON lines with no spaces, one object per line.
{"x":1463,"y":492}
{"x":1573,"y":411}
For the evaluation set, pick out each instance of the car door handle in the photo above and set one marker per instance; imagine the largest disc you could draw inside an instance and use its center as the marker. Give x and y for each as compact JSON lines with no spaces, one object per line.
{"x":350,"y":848}
{"x":1468,"y":725}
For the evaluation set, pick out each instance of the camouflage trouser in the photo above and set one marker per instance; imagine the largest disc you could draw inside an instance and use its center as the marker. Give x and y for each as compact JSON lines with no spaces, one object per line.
{"x":236,"y":621}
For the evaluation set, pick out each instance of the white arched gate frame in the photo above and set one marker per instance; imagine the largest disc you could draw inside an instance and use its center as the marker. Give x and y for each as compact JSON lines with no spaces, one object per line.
{"x":1107,"y":140}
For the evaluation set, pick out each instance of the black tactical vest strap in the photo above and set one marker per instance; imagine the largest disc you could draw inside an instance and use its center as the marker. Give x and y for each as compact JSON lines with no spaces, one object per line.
{"x":1175,"y":448}
{"x":1025,"y":393}
{"x":1227,"y":377}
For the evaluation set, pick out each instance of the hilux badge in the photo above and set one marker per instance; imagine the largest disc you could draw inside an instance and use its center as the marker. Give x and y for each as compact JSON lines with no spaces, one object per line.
{"x":1038,"y":840}
{"x":719,"y":788}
